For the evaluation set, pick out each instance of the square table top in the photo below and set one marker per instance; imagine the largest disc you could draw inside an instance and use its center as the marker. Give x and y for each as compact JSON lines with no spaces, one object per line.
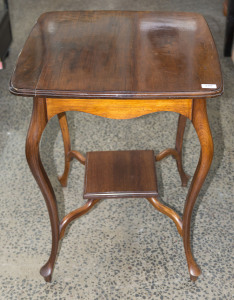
{"x":118,"y":55}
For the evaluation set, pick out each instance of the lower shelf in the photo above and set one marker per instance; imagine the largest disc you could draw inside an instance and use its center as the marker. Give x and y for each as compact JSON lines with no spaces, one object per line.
{"x":120,"y":174}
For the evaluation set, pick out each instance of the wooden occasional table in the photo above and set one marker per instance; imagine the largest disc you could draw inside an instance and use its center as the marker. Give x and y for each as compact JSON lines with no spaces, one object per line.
{"x":120,"y":65}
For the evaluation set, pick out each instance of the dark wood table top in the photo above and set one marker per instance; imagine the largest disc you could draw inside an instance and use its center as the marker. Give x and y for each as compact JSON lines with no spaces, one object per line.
{"x":118,"y":54}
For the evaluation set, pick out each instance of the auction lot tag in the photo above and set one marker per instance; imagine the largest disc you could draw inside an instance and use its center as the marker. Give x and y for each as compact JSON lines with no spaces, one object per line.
{"x":209,"y":86}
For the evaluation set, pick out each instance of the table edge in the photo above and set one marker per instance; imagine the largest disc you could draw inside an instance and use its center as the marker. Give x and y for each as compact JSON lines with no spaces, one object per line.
{"x":114,"y":94}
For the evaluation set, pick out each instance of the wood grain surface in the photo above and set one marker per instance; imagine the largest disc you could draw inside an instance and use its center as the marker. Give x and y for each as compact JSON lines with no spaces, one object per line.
{"x":118,"y":54}
{"x":120,"y":174}
{"x":119,"y":108}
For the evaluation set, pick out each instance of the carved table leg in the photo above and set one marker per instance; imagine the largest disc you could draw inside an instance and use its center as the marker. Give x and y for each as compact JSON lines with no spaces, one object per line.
{"x":67,"y":147}
{"x":36,"y":128}
{"x":177,"y":152}
{"x":179,"y":144}
{"x":69,"y":154}
{"x":201,"y":125}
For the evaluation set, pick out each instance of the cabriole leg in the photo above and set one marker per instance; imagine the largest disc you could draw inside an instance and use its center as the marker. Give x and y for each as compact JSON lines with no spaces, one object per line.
{"x":67,"y":147}
{"x":177,"y":151}
{"x":36,"y":128}
{"x":69,"y":154}
{"x":179,"y":144}
{"x":201,"y":125}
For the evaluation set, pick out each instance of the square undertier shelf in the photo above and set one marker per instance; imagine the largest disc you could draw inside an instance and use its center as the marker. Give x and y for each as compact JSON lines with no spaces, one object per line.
{"x":120,"y":174}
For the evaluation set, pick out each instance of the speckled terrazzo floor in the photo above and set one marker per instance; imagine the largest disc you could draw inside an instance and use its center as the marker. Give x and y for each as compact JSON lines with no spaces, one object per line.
{"x":122,"y":249}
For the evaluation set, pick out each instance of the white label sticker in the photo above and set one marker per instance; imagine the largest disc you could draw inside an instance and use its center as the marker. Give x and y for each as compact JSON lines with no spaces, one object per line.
{"x":209,"y":86}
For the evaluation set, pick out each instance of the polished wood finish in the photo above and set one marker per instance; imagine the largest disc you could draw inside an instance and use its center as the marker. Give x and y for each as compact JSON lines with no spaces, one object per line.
{"x":68,"y":157}
{"x":120,"y":174}
{"x":68,"y":153}
{"x":168,"y":212}
{"x":67,"y":147}
{"x":74,"y":215}
{"x":177,"y":152}
{"x":36,"y":128}
{"x":165,"y":153}
{"x":178,"y":147}
{"x":118,"y":54}
{"x":201,"y":125}
{"x":119,"y":109}
{"x":77,"y":155}
{"x":121,"y":65}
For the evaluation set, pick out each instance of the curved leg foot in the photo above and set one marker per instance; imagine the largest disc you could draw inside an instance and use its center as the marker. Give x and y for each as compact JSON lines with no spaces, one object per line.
{"x":36,"y":128}
{"x":179,"y":144}
{"x":46,"y":272}
{"x":194,"y":278}
{"x":67,"y":147}
{"x":201,"y":125}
